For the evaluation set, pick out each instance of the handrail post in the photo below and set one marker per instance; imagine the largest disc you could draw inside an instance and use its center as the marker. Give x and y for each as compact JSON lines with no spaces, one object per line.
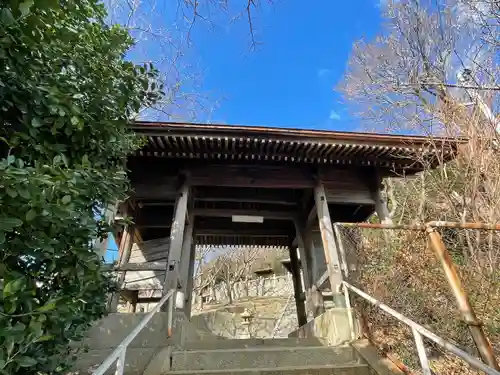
{"x":120,"y":364}
{"x":475,"y":326}
{"x":422,"y":355}
{"x":350,"y":315}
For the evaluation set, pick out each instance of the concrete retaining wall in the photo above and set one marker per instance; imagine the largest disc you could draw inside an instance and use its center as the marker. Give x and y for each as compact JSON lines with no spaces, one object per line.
{"x":332,"y":327}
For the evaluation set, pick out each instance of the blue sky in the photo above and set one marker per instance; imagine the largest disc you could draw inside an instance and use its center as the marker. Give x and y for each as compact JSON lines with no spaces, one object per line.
{"x":112,"y":251}
{"x":288,"y":80}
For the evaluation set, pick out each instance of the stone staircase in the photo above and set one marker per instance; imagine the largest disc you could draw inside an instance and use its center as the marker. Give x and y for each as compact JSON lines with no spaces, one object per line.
{"x":269,"y":357}
{"x":194,"y":351}
{"x":138,"y":344}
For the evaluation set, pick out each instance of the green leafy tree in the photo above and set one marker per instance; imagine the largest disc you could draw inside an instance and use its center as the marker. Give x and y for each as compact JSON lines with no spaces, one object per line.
{"x":66,"y":97}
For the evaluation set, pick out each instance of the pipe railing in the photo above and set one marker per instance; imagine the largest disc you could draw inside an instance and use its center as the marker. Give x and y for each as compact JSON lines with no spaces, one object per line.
{"x":419,"y":332}
{"x":118,"y":355}
{"x":466,"y":310}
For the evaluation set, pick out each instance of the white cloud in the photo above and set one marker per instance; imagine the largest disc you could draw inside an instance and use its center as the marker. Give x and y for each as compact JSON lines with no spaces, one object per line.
{"x":334,"y":115}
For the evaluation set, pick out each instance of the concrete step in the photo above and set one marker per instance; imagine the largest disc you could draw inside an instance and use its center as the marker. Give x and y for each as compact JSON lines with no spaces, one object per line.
{"x":249,"y":343}
{"x":345,"y":369}
{"x":136,"y":361}
{"x":264,"y":357}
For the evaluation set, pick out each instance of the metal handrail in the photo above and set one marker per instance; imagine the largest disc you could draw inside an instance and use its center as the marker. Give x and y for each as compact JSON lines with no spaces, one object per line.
{"x":419,"y":331}
{"x":118,"y":355}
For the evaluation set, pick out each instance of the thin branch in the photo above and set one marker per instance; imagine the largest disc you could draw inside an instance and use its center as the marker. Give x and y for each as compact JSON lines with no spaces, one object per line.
{"x":454,"y":85}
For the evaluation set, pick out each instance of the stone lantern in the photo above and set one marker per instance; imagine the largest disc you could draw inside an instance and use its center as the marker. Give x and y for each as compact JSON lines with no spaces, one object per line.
{"x":247,"y":320}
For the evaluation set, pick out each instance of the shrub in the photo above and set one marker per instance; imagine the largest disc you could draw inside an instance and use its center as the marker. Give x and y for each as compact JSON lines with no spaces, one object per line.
{"x":66,"y":97}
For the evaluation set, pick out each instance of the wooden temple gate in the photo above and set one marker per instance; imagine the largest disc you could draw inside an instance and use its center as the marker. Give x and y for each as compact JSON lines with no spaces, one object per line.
{"x":223,"y":185}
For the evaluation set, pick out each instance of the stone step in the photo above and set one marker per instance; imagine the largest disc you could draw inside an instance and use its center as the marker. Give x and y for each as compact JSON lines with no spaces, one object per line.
{"x":249,"y":343}
{"x":264,"y":357}
{"x":345,"y":369}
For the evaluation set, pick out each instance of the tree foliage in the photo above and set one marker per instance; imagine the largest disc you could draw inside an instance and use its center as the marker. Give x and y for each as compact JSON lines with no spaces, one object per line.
{"x":66,"y":96}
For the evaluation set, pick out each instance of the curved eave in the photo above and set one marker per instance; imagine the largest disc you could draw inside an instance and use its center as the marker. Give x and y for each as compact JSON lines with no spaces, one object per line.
{"x":261,"y":144}
{"x":238,"y":131}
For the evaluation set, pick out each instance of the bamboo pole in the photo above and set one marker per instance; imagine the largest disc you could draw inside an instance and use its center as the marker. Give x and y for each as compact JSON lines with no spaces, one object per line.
{"x":475,"y":326}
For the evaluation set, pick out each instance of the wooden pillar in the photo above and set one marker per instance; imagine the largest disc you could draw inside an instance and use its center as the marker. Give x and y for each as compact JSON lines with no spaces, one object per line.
{"x":306,"y":263}
{"x":328,"y":239}
{"x":381,"y":206}
{"x":314,"y":259}
{"x":124,"y":249}
{"x":297,"y":286}
{"x":185,"y":262}
{"x":176,"y":241}
{"x":376,"y":186}
{"x":190,"y":286}
{"x":315,"y":299}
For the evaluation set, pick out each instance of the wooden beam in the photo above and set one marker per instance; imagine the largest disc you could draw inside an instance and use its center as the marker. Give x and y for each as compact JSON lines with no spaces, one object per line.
{"x":153,"y":190}
{"x":252,"y":176}
{"x":151,"y":225}
{"x":246,"y":195}
{"x":283,"y":215}
{"x":149,"y":266}
{"x":247,"y":200}
{"x":148,"y":299}
{"x":156,"y":204}
{"x":328,"y":238}
{"x":241,"y":233}
{"x":242,"y":241}
{"x":253,"y":182}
